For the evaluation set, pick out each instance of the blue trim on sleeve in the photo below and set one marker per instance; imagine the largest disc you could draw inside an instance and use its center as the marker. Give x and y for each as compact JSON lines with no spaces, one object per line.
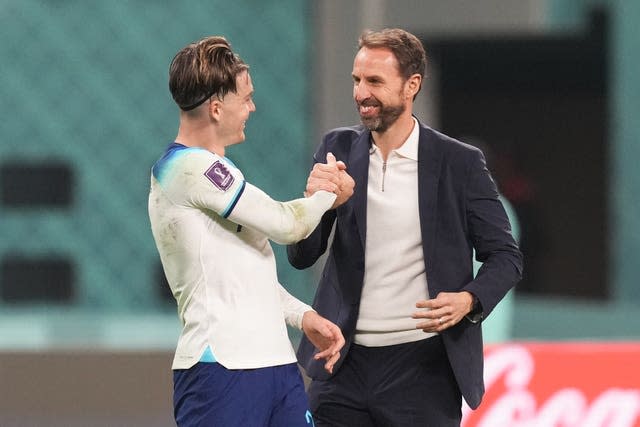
{"x":234,"y":201}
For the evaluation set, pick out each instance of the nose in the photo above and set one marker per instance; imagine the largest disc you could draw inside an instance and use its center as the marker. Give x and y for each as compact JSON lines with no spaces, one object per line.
{"x":252,"y":106}
{"x":360,"y":92}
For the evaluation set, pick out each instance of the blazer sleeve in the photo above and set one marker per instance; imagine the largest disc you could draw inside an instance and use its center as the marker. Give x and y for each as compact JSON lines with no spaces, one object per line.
{"x":306,"y":252}
{"x":490,"y":233}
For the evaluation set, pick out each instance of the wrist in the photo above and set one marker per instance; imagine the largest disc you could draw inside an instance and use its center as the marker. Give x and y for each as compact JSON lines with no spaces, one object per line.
{"x":305,"y":317}
{"x":475,"y":314}
{"x":474,"y":303}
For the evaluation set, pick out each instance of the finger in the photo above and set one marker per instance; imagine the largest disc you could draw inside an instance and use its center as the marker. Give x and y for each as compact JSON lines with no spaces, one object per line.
{"x":428,"y":326}
{"x":321,"y":171}
{"x":324,"y":354}
{"x":331,"y":159}
{"x":328,"y":353}
{"x":337,"y":346}
{"x":313,"y":183}
{"x":424,"y":304}
{"x":431,"y":324}
{"x":423,"y":314}
{"x":423,"y":325}
{"x":337,"y":337}
{"x":331,"y":363}
{"x":429,"y":314}
{"x":341,"y":166}
{"x":326,"y":186}
{"x":336,"y":342}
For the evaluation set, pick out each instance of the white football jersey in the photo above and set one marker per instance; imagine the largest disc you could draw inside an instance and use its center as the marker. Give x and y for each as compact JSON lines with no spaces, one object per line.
{"x":211,"y":229}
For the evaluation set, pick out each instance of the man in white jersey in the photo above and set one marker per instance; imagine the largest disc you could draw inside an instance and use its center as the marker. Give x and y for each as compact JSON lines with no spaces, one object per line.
{"x":234,"y":364}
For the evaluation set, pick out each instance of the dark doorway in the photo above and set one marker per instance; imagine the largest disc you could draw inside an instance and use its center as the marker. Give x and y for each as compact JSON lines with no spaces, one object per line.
{"x":537,"y":106}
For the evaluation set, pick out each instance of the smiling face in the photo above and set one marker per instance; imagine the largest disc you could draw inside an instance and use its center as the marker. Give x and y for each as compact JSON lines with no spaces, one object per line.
{"x":379,"y":89}
{"x":235,"y":109}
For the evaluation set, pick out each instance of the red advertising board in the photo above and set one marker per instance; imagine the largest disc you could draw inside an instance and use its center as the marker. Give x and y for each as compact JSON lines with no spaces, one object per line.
{"x":559,"y":385}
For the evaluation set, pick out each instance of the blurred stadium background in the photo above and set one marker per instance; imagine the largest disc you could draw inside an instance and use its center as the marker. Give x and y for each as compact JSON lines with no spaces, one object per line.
{"x":548,"y":88}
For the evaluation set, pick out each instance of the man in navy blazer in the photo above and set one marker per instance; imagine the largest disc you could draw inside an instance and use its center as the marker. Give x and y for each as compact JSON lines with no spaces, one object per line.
{"x":398,"y":279}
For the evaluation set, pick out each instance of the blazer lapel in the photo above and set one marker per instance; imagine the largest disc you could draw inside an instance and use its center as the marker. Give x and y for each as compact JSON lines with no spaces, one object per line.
{"x":359,"y":171}
{"x":429,"y":165}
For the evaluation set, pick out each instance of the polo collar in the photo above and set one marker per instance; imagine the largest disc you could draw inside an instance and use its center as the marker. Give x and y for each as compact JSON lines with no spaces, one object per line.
{"x":409,"y":148}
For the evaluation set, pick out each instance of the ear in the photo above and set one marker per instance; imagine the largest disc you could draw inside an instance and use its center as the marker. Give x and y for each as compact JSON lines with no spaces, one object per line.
{"x":215,"y":109}
{"x":412,"y":85}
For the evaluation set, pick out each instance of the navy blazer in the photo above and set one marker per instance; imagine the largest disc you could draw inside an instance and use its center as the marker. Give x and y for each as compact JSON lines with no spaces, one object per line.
{"x":459,"y":211}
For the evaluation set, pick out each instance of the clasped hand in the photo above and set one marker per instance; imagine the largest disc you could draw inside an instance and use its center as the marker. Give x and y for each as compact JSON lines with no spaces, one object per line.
{"x":333,"y":177}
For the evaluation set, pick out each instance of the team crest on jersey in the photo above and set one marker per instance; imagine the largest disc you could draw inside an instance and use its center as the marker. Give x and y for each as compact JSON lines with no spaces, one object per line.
{"x":220,"y":176}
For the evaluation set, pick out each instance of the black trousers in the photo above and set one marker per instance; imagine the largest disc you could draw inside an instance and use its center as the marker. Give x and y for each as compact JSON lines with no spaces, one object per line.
{"x":402,"y":385}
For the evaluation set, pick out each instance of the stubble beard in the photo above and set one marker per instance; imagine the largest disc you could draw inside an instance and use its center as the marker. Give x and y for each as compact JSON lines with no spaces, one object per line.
{"x":387,"y":116}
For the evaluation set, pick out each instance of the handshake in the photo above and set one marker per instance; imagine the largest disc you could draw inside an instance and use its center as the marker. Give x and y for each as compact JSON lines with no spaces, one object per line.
{"x":332,"y":177}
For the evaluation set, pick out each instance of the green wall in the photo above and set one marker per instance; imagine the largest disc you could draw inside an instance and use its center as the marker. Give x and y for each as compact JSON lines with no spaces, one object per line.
{"x":624,"y":134}
{"x":615,"y":318}
{"x":625,"y":182}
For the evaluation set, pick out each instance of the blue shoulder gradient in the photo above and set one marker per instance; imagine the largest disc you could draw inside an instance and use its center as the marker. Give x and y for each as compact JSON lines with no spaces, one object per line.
{"x":173,"y":152}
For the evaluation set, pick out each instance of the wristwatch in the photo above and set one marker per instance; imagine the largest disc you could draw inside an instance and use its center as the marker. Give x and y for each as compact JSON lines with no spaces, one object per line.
{"x":475,"y":304}
{"x":475,"y":315}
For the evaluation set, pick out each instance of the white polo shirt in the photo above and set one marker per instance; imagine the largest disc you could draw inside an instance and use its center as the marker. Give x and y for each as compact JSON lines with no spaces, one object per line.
{"x":395,"y":277}
{"x":211,"y":229}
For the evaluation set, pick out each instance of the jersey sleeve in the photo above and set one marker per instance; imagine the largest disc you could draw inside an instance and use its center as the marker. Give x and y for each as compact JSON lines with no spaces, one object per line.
{"x":206,"y":181}
{"x":293,"y":308}
{"x":283,"y":222}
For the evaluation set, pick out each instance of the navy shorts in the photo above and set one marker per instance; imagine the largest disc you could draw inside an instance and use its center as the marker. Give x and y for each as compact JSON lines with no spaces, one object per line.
{"x":208,"y":394}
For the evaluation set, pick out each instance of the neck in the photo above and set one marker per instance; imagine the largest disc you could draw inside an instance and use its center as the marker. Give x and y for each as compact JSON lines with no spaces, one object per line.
{"x":200,"y":135}
{"x":395,"y":136}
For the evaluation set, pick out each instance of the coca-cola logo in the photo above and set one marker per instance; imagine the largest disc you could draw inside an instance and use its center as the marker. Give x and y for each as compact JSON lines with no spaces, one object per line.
{"x":559,"y":385}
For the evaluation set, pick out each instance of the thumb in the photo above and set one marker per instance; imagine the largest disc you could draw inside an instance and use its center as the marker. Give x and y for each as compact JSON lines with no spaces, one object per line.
{"x":331,"y":159}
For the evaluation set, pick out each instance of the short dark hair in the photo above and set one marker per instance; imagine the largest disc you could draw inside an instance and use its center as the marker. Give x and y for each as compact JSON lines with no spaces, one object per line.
{"x":203,"y":69}
{"x":407,"y":48}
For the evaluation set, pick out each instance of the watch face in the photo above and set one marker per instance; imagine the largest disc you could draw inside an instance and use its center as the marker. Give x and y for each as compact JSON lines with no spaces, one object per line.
{"x":474,"y":306}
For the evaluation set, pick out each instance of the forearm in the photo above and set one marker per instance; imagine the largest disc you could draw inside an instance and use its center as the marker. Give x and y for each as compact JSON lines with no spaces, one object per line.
{"x":492,"y":240}
{"x":498,"y":274}
{"x":305,"y":253}
{"x":282,"y":222}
